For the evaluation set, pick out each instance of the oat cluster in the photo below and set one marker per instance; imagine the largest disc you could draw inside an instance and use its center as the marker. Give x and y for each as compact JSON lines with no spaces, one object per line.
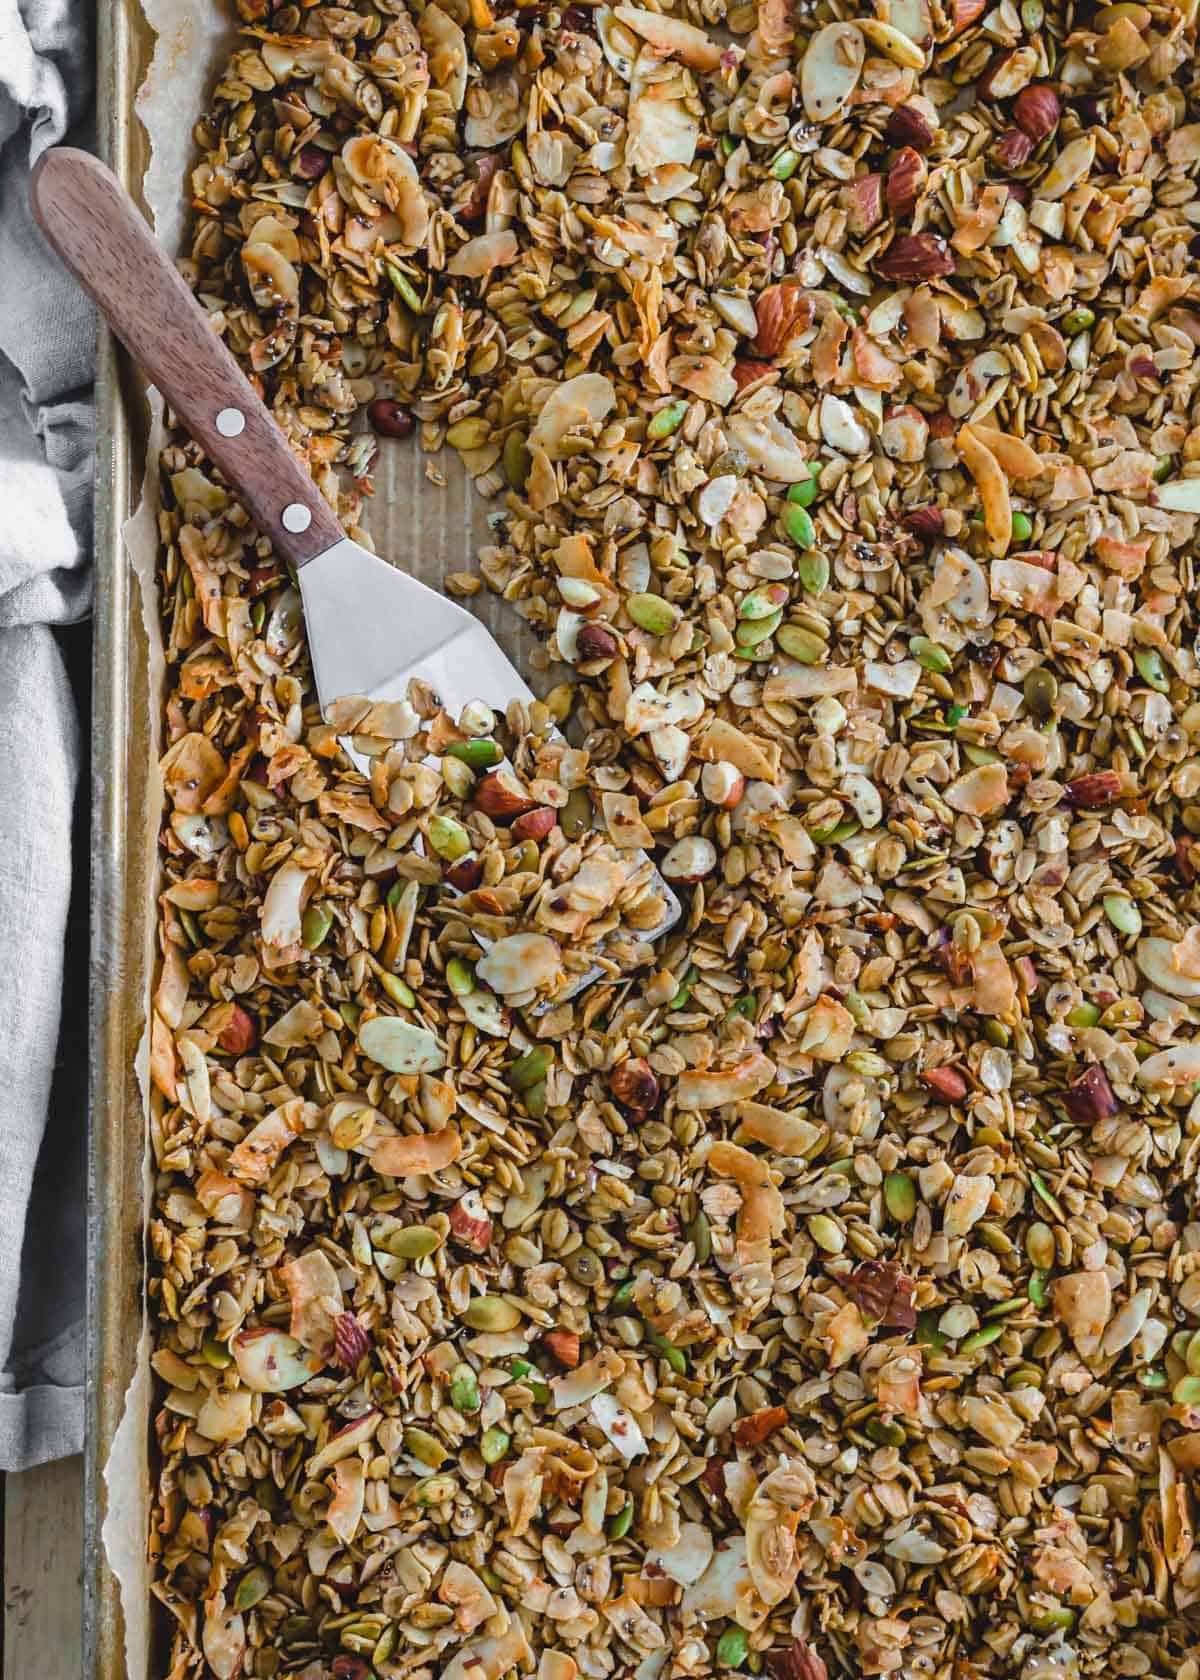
{"x":817,"y":1292}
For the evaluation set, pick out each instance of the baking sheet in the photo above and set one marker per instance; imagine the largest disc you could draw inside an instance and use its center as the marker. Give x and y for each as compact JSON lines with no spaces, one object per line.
{"x":157,"y":65}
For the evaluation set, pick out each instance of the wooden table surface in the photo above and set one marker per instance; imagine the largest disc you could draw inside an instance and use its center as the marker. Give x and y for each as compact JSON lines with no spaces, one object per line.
{"x":43,"y":1572}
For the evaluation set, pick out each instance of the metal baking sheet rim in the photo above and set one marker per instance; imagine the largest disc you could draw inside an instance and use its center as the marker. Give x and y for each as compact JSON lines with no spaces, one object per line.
{"x":120,"y":886}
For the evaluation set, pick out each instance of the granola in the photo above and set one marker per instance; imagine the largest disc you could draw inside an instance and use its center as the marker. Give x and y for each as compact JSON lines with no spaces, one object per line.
{"x":818,"y":1291}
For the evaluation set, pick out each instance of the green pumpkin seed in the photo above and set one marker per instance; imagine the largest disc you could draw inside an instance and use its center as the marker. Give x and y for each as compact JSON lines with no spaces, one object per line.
{"x":763,"y":602}
{"x":1150,"y":669}
{"x":464,"y":1389}
{"x":405,"y":288}
{"x":674,"y":1356}
{"x":900,"y":1196}
{"x":752,"y":632}
{"x":1051,"y":1201}
{"x":575,"y":817}
{"x":425,"y":1448}
{"x":527,"y":1070}
{"x":620,"y":1525}
{"x":398,"y":990}
{"x":797,"y":522}
{"x":315,"y":925}
{"x":490,"y":1312}
{"x":813,"y":572}
{"x":667,"y":420}
{"x":733,"y":1648}
{"x":1123,"y":913}
{"x":480,"y":754}
{"x":516,"y":460}
{"x":652,"y":614}
{"x":413,"y":1242}
{"x":448,"y":838}
{"x":826,"y":1233}
{"x":460,"y":977}
{"x":930,"y":655}
{"x":800,"y":644}
{"x":493,"y":1444}
{"x":699,"y":1234}
{"x":434,"y":1490}
{"x":804,"y":492}
{"x":252,"y":1588}
{"x":1060,"y":1619}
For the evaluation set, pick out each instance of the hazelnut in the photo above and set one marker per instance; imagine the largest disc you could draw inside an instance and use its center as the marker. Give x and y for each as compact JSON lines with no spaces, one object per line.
{"x":595,"y":641}
{"x":908,"y":126}
{"x":904,"y":181}
{"x":634,"y":1084}
{"x":470,"y":1223}
{"x":389,"y":419}
{"x":536,"y":824}
{"x":501,"y":796}
{"x":1036,"y":111}
{"x":915,"y":256}
{"x":722,"y":784}
{"x":241,"y":1033}
{"x":1013,"y":149}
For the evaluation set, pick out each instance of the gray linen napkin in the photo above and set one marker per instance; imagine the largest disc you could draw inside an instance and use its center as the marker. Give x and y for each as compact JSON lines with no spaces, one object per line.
{"x":47,"y":336}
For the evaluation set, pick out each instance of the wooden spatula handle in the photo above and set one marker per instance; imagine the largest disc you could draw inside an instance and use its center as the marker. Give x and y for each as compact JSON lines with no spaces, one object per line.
{"x":97,"y":230}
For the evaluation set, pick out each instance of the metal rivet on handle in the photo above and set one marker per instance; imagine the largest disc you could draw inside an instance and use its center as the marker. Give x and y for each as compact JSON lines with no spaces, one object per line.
{"x":231,"y":422}
{"x":296,"y":518}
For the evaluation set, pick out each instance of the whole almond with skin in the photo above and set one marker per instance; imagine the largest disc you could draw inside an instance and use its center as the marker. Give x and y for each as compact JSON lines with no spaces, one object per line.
{"x":915,"y":256}
{"x":535,"y":825}
{"x":241,"y":1033}
{"x":564,"y":1345}
{"x":905,"y":178}
{"x":595,"y":641}
{"x":1094,"y":791}
{"x":927,"y":523}
{"x":746,"y":370}
{"x":863,"y":203}
{"x":909,"y":127}
{"x":1036,"y":111}
{"x":1013,"y":149}
{"x":781,"y":312}
{"x":501,"y":796}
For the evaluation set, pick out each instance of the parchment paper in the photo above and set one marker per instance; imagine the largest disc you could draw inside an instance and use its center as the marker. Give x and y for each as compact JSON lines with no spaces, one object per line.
{"x":427,"y":528}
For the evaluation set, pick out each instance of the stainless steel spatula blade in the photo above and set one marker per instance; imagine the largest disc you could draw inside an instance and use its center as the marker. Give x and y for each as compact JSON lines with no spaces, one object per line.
{"x":371,"y":628}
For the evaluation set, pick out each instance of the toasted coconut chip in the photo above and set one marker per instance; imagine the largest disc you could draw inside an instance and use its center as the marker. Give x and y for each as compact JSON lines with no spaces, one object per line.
{"x":404,"y":1157}
{"x":711,"y":1090}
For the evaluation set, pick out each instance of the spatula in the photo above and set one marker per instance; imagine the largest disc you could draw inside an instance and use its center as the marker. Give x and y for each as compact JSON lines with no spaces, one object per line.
{"x":371,"y":629}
